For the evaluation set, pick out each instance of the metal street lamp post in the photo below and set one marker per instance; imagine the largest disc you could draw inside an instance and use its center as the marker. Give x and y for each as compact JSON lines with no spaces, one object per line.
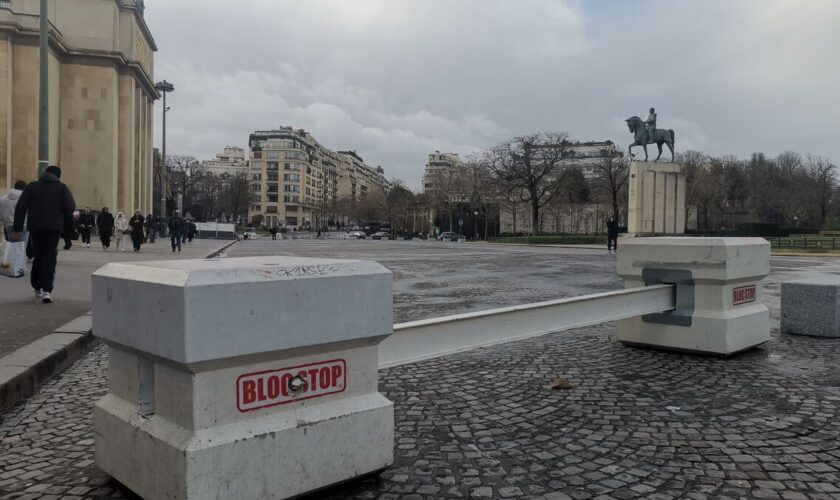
{"x":163,"y":87}
{"x":43,"y":93}
{"x":475,"y":222}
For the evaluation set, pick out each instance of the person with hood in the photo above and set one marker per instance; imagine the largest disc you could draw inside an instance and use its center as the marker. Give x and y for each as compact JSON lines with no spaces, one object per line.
{"x":86,"y":223}
{"x":45,"y":205}
{"x":105,"y":225}
{"x":137,"y":224}
{"x":176,"y":224}
{"x":612,"y":235}
{"x":122,"y":231}
{"x":7,"y":210}
{"x":151,"y":227}
{"x":191,"y":230}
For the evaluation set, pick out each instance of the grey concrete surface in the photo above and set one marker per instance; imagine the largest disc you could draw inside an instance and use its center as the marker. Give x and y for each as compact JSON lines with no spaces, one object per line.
{"x":25,"y":319}
{"x":630,"y":423}
{"x":811,"y":307}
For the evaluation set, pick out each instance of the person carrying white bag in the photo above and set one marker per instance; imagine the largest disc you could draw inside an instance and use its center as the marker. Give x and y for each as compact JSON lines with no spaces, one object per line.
{"x":13,"y":261}
{"x":13,"y":252}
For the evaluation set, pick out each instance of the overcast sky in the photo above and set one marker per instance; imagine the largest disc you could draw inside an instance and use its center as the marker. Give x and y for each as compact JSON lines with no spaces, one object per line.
{"x":398,"y":79}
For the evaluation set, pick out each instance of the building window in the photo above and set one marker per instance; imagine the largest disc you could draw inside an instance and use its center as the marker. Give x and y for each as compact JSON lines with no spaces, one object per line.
{"x":273,"y":165}
{"x":272,"y":176}
{"x":272,"y":155}
{"x":291,"y":177}
{"x":291,"y":221}
{"x":257,"y":155}
{"x":295,"y":155}
{"x":292,"y":209}
{"x":272,"y":198}
{"x":271,"y":210}
{"x":292,"y":189}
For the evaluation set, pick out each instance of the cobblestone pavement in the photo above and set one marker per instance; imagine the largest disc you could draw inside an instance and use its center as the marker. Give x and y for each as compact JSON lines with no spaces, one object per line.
{"x":635,"y":423}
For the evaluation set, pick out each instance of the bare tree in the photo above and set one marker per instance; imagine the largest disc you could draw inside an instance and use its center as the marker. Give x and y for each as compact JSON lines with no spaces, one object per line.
{"x":236,"y":196}
{"x":448,"y":190}
{"x":530,"y":163}
{"x":184,"y":173}
{"x":611,"y":173}
{"x":395,"y":203}
{"x":823,"y":183}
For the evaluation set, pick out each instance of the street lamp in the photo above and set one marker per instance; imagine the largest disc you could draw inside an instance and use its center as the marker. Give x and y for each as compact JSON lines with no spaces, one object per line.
{"x":163,"y":87}
{"x":43,"y":93}
{"x":476,"y":225}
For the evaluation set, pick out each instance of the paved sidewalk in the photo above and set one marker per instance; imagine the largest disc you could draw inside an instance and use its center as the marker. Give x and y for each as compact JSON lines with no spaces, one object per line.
{"x":25,"y":319}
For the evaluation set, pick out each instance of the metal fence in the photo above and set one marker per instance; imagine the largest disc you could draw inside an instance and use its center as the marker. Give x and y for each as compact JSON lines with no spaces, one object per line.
{"x":813,"y":243}
{"x":572,"y":239}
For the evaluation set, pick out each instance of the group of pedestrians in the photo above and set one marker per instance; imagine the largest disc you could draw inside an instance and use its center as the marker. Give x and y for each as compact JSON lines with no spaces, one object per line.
{"x":41,"y":213}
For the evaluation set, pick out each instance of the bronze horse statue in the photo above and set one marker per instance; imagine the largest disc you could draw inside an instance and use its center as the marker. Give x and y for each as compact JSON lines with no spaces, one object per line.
{"x":640,"y":136}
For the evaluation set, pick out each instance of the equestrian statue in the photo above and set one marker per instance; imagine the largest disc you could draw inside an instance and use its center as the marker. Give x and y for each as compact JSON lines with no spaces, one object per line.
{"x":645,"y":132}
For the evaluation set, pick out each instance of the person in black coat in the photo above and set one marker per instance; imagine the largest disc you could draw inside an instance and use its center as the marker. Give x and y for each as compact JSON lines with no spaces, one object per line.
{"x":612,"y":235}
{"x":191,"y":230}
{"x":45,"y":205}
{"x":137,"y":223}
{"x":176,"y":225}
{"x":105,"y":226}
{"x":86,"y":223}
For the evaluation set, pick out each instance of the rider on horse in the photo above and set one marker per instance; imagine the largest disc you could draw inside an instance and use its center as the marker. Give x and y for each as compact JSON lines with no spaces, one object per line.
{"x":650,"y":125}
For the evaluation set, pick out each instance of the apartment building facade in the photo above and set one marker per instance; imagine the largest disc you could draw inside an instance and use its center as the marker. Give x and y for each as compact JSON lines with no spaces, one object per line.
{"x":438,"y":166}
{"x":297,"y":182}
{"x":231,"y":161}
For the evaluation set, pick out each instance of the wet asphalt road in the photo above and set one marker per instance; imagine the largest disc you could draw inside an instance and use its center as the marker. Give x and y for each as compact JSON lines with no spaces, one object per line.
{"x":440,"y":278}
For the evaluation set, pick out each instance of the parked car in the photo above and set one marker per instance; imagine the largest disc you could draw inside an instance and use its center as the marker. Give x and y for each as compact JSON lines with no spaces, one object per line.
{"x":359,"y":235}
{"x":380,"y":235}
{"x":448,"y":236}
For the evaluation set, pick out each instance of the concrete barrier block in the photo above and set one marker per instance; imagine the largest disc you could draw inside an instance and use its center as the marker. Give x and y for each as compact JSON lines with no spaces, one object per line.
{"x":726,"y":274}
{"x":257,"y":377}
{"x":812,"y":307}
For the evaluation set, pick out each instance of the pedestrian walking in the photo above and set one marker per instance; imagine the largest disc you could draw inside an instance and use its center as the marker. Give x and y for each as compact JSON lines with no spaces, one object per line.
{"x":612,"y":235}
{"x":191,"y":230}
{"x":86,"y":223}
{"x":105,"y":227}
{"x":122,"y":231}
{"x":7,"y":211}
{"x":137,"y":223}
{"x":151,"y":227}
{"x":69,"y":233}
{"x":273,"y":232}
{"x":176,"y":225}
{"x":45,"y":205}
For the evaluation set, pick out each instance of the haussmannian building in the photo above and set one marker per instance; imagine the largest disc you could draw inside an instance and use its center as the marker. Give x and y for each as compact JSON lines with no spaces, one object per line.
{"x":101,"y":91}
{"x":297,"y":182}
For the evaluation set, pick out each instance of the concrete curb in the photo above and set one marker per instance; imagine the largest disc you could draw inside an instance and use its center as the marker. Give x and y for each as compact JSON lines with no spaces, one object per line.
{"x":22,"y":371}
{"x":219,"y":251}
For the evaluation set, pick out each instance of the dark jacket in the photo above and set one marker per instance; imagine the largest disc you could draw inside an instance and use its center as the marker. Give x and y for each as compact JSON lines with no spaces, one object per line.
{"x":176,"y":223}
{"x":191,"y":229}
{"x":86,"y":220}
{"x":105,"y":223}
{"x":612,"y":228}
{"x":136,"y":223}
{"x":48,"y":202}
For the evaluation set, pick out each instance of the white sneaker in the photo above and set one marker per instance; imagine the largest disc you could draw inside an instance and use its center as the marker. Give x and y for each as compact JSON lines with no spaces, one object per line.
{"x":39,"y":294}
{"x":46,"y":298}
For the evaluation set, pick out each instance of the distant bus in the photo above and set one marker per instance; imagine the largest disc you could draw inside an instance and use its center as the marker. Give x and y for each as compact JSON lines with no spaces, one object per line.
{"x":371,"y":227}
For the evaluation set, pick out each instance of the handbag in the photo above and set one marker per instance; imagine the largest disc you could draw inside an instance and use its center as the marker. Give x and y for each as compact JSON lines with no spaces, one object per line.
{"x":13,"y":262}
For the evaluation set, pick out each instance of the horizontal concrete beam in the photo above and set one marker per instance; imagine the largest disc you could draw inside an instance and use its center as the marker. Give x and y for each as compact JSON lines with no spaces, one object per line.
{"x":424,"y":339}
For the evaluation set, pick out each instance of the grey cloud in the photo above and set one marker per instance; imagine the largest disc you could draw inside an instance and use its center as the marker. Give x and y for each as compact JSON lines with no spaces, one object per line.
{"x":397,"y":79}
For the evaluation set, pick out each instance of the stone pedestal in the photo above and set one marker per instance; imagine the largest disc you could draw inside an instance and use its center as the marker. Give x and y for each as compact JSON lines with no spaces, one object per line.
{"x":656,"y":199}
{"x":242,"y":378}
{"x":812,"y":307}
{"x":718,"y":286}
